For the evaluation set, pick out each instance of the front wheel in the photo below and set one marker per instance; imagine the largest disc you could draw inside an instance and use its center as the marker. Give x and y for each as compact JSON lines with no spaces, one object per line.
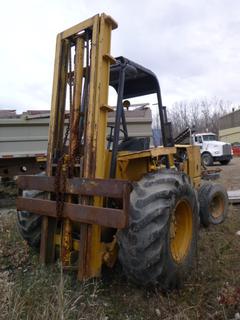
{"x":159,"y":245}
{"x":207,"y":159}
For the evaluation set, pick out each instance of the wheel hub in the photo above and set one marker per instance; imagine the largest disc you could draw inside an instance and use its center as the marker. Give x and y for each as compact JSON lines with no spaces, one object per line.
{"x":216,"y":206}
{"x":181,"y":230}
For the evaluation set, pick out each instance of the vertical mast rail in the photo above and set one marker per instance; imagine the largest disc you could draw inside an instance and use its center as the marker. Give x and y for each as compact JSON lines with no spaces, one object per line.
{"x":98,"y":28}
{"x":95,"y":140}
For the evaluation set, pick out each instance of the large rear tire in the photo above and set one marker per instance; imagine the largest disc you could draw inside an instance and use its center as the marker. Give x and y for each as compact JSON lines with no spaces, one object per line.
{"x":213,"y":200}
{"x":29,"y":224}
{"x":159,"y":245}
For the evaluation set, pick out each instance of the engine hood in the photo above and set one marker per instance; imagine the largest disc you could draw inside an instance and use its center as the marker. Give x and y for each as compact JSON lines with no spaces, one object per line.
{"x":215,"y":143}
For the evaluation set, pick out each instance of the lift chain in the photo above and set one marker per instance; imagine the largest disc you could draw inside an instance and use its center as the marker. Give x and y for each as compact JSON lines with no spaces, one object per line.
{"x":61,"y":175}
{"x":63,"y":161}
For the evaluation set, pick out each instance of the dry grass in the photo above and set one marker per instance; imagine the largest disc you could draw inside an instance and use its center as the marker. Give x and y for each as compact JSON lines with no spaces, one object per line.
{"x":30,"y":291}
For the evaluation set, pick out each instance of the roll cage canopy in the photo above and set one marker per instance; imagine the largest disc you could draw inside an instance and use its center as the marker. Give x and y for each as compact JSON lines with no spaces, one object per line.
{"x":139,"y":81}
{"x":130,"y":80}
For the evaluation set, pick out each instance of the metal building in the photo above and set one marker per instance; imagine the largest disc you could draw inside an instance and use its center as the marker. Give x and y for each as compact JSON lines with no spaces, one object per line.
{"x":230,"y":127}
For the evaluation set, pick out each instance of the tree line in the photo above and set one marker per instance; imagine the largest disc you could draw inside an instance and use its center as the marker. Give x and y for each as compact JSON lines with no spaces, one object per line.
{"x":201,"y":114}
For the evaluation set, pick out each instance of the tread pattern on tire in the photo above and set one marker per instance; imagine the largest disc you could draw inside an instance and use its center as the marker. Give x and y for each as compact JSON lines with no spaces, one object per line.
{"x":205,"y":194}
{"x":144,"y":246}
{"x":29,"y":224}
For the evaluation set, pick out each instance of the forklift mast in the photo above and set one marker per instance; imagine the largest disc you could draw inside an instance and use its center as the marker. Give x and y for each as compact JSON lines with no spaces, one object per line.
{"x":76,"y":164}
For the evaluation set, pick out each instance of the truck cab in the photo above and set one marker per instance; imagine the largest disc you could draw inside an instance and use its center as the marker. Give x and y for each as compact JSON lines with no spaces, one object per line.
{"x":211,"y":149}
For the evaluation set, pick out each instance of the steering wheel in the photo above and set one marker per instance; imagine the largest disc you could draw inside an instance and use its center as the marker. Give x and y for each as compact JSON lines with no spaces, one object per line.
{"x":110,"y":137}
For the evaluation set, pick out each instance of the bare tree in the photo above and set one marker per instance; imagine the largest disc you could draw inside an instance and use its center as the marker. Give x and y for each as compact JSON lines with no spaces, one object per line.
{"x":203,"y":114}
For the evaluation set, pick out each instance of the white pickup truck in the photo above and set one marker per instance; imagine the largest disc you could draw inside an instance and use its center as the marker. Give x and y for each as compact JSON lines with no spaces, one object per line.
{"x":211,"y":149}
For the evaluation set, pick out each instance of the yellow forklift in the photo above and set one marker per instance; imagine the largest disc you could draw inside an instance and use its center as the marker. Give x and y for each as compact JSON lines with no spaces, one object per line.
{"x":106,"y":196}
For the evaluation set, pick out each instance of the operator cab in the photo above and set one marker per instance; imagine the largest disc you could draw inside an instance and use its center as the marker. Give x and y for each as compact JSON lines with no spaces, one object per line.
{"x":199,"y":138}
{"x":131,"y":80}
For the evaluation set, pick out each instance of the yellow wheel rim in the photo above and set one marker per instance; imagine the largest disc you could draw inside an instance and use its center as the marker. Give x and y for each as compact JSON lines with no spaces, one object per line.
{"x":216,"y":206}
{"x":181,"y":230}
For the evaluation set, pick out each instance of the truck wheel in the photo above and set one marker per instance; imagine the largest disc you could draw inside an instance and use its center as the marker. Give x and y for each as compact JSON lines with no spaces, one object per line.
{"x":159,"y":245}
{"x":213,"y":200}
{"x":207,"y":159}
{"x":29,"y":224}
{"x":224,"y":162}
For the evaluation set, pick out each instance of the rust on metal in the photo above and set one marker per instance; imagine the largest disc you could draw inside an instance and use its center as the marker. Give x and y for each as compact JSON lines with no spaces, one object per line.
{"x":74,"y":101}
{"x":126,"y":200}
{"x":111,"y":188}
{"x":107,"y":217}
{"x":55,"y":139}
{"x":77,"y":95}
{"x":67,"y":242}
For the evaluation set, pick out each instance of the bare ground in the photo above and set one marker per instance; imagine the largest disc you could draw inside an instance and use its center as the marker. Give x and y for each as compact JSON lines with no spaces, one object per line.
{"x":230,"y":175}
{"x":30,"y":291}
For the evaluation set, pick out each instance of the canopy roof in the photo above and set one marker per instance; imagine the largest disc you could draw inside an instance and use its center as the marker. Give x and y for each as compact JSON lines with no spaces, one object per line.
{"x":139,"y":80}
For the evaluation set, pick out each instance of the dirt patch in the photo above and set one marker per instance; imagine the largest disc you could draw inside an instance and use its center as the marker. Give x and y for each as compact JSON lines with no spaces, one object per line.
{"x":230,"y":174}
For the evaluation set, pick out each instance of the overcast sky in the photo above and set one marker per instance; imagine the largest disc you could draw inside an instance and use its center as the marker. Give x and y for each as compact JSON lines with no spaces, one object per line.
{"x":193,"y":46}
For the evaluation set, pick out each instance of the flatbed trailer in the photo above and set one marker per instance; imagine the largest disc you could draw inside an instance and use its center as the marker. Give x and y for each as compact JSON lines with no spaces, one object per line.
{"x":24,"y":140}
